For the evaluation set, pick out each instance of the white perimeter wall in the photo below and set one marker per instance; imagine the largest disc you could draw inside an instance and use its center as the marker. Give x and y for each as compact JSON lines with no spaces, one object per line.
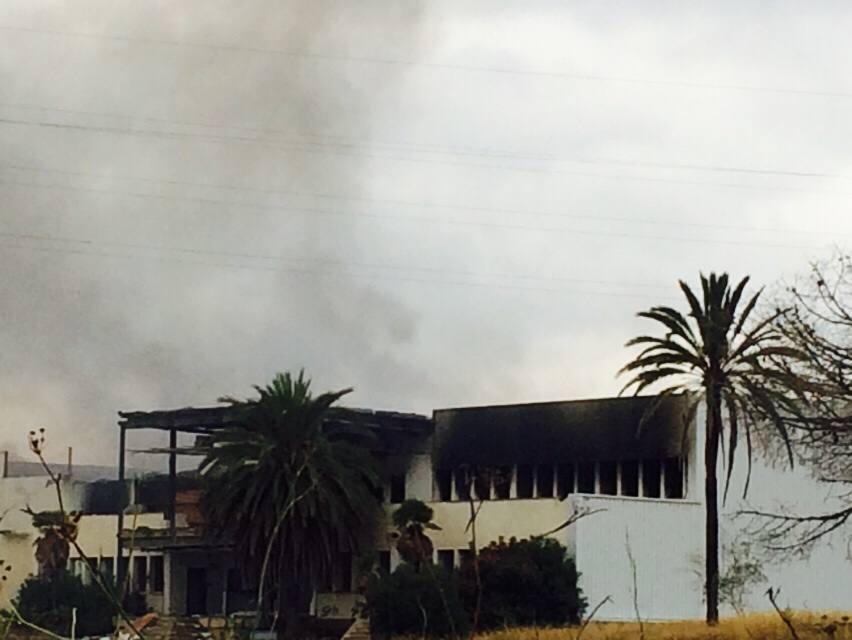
{"x":16,"y":544}
{"x":665,"y":540}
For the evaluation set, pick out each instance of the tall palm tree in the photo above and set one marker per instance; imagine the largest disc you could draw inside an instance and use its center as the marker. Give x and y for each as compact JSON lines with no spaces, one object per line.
{"x":711,"y":355}
{"x":290,"y":489}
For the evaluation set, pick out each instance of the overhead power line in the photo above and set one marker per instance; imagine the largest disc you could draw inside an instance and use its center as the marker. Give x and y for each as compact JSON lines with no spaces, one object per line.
{"x":338,"y":141}
{"x":349,"y":199}
{"x":88,"y":251}
{"x":307,"y":148}
{"x":440,"y":66}
{"x":266,"y":257}
{"x":415,"y":219}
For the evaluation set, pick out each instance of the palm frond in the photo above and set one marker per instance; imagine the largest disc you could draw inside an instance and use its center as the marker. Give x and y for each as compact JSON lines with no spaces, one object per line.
{"x":733,"y":421}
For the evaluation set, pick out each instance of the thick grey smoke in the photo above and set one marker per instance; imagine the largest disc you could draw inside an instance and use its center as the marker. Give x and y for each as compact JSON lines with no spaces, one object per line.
{"x":100,"y":312}
{"x":187,"y":207}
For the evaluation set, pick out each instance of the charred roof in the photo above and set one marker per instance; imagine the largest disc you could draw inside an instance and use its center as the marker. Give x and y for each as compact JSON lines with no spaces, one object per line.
{"x":392,"y":428}
{"x":554,"y":432}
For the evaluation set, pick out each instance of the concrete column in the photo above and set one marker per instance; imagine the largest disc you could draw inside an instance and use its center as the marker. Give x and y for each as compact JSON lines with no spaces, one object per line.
{"x":597,"y":477}
{"x":695,"y":485}
{"x":173,"y":483}
{"x":167,"y":583}
{"x":225,"y":596}
{"x":618,"y":477}
{"x":119,"y":551}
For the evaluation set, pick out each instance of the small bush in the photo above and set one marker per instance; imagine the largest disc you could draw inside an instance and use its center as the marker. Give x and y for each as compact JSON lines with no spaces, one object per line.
{"x":408,"y":602}
{"x":524,"y":582}
{"x":48,"y":601}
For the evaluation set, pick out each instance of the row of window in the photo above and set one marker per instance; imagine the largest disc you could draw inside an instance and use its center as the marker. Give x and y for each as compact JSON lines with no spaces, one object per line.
{"x":651,"y":478}
{"x":451,"y":558}
{"x":396,"y":490}
{"x":447,"y":558}
{"x":339,"y":577}
{"x":146,"y":576}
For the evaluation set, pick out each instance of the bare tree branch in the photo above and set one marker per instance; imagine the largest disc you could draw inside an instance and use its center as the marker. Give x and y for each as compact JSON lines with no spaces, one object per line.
{"x":772,"y":593}
{"x":632,"y":561}
{"x":578,"y":515}
{"x":591,"y":616}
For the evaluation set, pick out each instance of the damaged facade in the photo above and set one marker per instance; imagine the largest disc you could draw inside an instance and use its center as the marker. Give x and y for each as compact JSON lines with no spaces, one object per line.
{"x":533,"y":466}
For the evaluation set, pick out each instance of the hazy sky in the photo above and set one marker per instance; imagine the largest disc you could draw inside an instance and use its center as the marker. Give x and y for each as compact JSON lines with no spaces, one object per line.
{"x":438,"y":203}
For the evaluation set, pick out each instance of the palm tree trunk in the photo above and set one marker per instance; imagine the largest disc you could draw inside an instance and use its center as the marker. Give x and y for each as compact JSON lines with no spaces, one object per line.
{"x":711,"y":455}
{"x":288,"y":597}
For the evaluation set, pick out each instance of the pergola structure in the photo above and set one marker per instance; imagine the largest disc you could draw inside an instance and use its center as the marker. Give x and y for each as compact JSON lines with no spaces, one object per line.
{"x":394,"y":431}
{"x":197,"y":421}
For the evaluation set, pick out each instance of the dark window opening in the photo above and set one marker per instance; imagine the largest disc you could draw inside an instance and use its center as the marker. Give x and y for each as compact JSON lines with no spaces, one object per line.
{"x":565,"y":480}
{"x":157,"y":574}
{"x":482,"y":484}
{"x":196,"y":591}
{"x":525,"y":481}
{"x":443,"y":485}
{"x":465,"y":557}
{"x":107,"y":568}
{"x":445,"y":558}
{"x":673,"y":478}
{"x":503,"y":483}
{"x":123,"y":564}
{"x":463,"y":484}
{"x":140,"y":574}
{"x":397,"y":489}
{"x":651,"y":475}
{"x":608,"y":478}
{"x":586,"y":477}
{"x":629,"y":478}
{"x":544,"y":480}
{"x":234,"y":581}
{"x":384,"y":562}
{"x":379,"y":492}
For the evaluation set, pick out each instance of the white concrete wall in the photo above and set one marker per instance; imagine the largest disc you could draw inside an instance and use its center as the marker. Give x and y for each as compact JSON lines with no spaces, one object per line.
{"x":97,"y":539}
{"x":96,"y":536}
{"x":501,"y":518}
{"x":16,"y":543}
{"x":335,"y":605}
{"x":665,"y":537}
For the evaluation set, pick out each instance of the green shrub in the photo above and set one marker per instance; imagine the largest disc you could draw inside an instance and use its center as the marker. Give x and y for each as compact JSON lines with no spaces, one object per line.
{"x":524,"y":582}
{"x":48,"y":601}
{"x":408,"y":602}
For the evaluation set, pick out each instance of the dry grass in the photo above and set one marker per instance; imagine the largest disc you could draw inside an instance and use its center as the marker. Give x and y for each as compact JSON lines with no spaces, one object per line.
{"x":809,"y":626}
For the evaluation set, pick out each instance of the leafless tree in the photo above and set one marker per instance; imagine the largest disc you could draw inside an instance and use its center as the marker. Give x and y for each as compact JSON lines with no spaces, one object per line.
{"x":591,"y":616}
{"x":60,"y":533}
{"x":635,"y":590}
{"x":785,"y":617}
{"x":818,"y":323}
{"x":471,"y":475}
